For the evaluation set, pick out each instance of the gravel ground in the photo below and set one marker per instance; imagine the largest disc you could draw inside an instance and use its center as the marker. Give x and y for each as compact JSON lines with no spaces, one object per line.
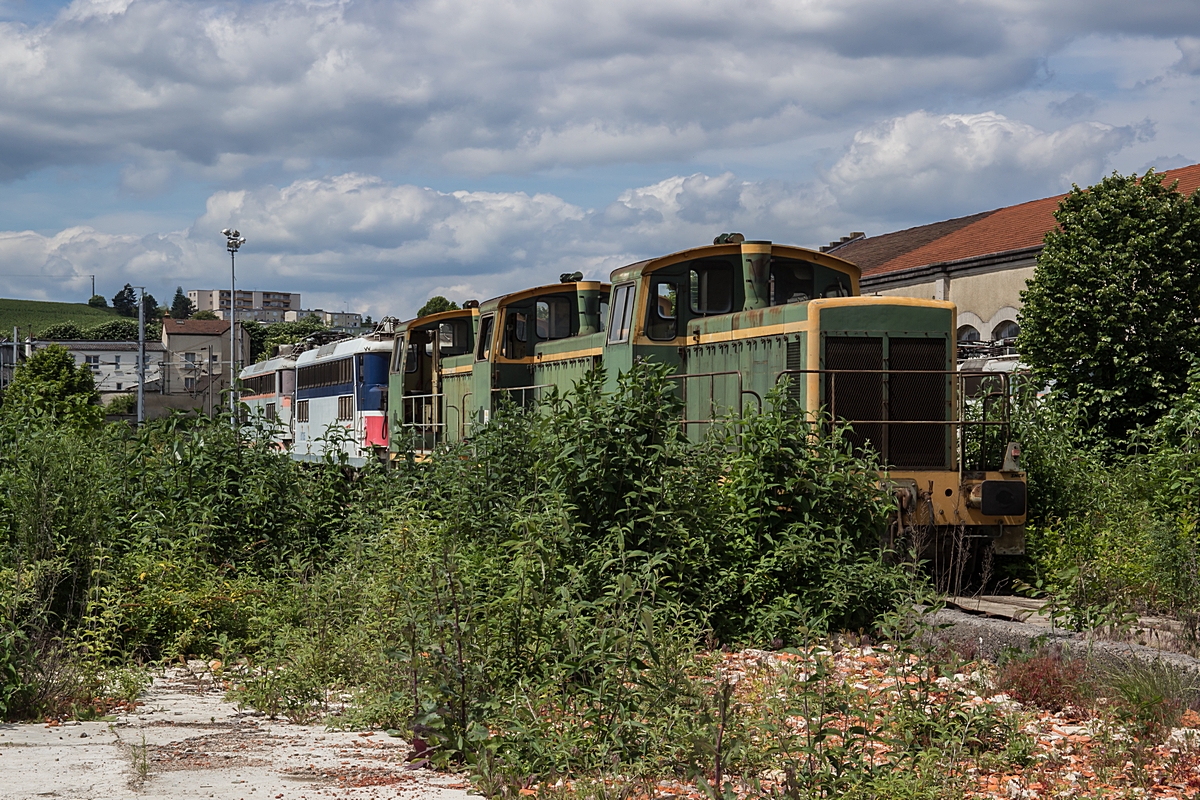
{"x":185,"y":741}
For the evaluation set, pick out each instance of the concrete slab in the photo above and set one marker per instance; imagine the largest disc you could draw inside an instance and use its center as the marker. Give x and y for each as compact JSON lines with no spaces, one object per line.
{"x":185,"y":741}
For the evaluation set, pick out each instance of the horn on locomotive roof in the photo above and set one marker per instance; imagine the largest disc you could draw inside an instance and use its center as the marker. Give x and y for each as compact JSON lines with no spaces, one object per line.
{"x":570,"y":277}
{"x":729,"y":238}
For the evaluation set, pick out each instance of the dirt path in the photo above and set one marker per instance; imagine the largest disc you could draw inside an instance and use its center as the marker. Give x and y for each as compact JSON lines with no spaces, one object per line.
{"x":186,"y":741}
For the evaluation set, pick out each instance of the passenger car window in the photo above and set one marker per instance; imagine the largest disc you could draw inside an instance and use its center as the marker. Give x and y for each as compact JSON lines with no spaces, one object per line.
{"x":622,"y":313}
{"x":711,"y":289}
{"x":662,"y":310}
{"x":553,"y":318}
{"x":484,"y":351}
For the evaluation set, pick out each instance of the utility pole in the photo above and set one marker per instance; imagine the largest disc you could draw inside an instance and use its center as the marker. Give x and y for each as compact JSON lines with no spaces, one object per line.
{"x":93,"y":287}
{"x":233,"y":240}
{"x":141,"y":365}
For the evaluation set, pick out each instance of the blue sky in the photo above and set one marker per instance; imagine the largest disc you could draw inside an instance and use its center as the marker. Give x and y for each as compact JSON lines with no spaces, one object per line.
{"x":375,"y":153}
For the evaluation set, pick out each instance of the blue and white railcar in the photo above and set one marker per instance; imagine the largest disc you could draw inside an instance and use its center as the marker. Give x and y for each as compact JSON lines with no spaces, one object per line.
{"x":341,"y":399}
{"x":268,"y":389}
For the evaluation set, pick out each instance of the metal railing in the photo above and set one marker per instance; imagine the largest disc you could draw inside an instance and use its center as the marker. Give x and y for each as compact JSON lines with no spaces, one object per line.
{"x":974,"y":408}
{"x":713,"y":412}
{"x":421,"y":420}
{"x":525,"y":392}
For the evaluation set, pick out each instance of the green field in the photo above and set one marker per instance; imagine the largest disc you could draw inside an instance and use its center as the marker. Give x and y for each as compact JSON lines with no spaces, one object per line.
{"x":39,"y":315}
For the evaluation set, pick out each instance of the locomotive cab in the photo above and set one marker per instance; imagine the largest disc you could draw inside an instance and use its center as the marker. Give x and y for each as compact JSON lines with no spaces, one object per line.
{"x":418,"y":376}
{"x":532,"y":340}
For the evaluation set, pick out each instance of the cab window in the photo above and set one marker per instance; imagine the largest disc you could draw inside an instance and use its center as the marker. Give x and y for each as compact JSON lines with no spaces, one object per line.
{"x":553,"y":318}
{"x":791,"y":281}
{"x":484,"y":351}
{"x":453,"y":338}
{"x":398,"y":353}
{"x":662,"y":310}
{"x":622,"y":313}
{"x":516,"y":334}
{"x":711,"y":288}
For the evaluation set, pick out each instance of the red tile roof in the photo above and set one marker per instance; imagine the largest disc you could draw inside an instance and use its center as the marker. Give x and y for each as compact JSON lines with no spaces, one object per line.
{"x":1003,"y":230}
{"x":195,"y":327}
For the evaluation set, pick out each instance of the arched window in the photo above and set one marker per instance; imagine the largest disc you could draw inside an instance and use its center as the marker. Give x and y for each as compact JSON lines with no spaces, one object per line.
{"x":1006,"y":330}
{"x":968,"y":333}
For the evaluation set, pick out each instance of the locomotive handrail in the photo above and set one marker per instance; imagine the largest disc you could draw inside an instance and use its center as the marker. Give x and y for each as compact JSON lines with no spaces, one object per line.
{"x":423,"y":427}
{"x":741,"y":393}
{"x":957,"y":424}
{"x":524,"y":389}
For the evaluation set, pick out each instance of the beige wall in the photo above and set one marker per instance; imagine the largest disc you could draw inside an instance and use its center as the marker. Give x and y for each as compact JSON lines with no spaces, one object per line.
{"x":985,"y":300}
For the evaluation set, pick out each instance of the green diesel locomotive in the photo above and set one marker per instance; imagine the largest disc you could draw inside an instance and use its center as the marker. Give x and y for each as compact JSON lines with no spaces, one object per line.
{"x":736,"y":319}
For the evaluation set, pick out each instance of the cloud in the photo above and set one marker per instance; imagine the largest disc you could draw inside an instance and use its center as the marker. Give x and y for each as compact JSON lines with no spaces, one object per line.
{"x":1189,"y":50}
{"x":500,"y":87}
{"x":358,"y":240}
{"x":936,"y":165}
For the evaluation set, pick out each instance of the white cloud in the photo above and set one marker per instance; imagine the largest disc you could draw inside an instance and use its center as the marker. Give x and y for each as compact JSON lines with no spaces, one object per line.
{"x":933,"y":165}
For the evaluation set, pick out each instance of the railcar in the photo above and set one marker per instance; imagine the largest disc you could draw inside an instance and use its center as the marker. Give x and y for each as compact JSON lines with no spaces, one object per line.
{"x":739,"y":318}
{"x":268,"y":389}
{"x":341,"y":399}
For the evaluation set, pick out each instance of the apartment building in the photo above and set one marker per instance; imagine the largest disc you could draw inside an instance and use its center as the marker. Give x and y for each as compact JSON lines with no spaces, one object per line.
{"x":250,"y":304}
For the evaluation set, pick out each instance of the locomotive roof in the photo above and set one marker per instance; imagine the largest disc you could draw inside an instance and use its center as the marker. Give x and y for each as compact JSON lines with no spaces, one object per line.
{"x":440,"y":316}
{"x":344,"y":348}
{"x":537,"y":291}
{"x":712,"y":250}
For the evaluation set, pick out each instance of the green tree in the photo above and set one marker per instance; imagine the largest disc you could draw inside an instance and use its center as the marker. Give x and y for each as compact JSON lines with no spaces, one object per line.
{"x":181,"y":307}
{"x":153,"y":310}
{"x":62,"y":331}
{"x":50,"y":382}
{"x":98,"y":301}
{"x":206,"y":314}
{"x":436,"y":305}
{"x":125,"y":301}
{"x":1110,"y":315}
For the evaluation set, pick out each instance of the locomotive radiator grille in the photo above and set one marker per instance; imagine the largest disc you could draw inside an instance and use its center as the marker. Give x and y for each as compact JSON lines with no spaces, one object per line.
{"x":917,"y":396}
{"x":882,"y":404}
{"x":857,"y":397}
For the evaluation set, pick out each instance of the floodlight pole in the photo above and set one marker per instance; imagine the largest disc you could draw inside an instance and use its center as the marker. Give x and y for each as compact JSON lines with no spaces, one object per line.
{"x":141,"y":365}
{"x":233,"y":240}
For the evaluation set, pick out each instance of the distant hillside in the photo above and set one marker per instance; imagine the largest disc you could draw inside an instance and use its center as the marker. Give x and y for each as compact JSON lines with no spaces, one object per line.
{"x":41,"y":315}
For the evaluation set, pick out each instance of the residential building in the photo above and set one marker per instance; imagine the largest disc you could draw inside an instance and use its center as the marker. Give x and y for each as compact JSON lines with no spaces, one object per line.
{"x":198,"y":365}
{"x":251,"y":304}
{"x":114,"y":364}
{"x":337,"y":320}
{"x":980,"y":262}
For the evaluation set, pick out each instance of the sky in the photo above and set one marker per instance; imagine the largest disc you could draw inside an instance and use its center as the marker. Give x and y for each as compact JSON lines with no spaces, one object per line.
{"x":376,"y":153}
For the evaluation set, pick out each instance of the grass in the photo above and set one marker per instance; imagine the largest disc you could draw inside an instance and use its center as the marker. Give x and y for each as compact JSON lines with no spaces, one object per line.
{"x":39,"y":315}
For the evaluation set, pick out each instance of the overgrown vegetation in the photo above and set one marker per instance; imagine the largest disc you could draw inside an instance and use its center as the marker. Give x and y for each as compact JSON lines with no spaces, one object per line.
{"x":1111,"y":533}
{"x":571,"y":561}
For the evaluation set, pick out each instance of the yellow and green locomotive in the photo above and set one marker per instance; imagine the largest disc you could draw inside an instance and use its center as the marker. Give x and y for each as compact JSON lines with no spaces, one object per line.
{"x":736,"y":319}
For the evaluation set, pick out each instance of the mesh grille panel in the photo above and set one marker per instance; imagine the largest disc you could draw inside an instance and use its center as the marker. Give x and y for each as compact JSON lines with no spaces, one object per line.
{"x":914,"y":396}
{"x":852,"y":396}
{"x":795,"y":361}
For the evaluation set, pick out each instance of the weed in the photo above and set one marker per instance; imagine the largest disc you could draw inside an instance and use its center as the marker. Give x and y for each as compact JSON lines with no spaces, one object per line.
{"x":1046,"y":678}
{"x":1153,"y":696}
